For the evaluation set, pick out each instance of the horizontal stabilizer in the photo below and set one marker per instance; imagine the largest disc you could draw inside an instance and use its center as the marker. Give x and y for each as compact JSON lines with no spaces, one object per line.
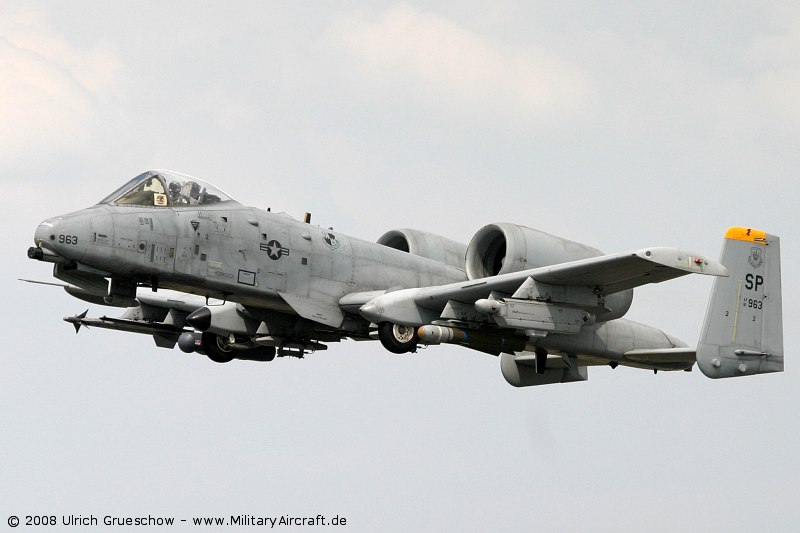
{"x":663,"y":355}
{"x":662,"y":359}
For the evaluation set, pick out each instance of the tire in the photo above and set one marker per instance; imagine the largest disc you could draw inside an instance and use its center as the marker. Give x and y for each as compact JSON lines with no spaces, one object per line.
{"x":398,"y":339}
{"x":216,"y":349}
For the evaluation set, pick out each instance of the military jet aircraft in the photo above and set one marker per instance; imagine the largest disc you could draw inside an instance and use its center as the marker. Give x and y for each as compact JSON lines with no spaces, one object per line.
{"x":196,"y":268}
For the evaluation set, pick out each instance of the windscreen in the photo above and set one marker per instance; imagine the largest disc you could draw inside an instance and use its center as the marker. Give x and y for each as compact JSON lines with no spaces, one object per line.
{"x":166,"y":189}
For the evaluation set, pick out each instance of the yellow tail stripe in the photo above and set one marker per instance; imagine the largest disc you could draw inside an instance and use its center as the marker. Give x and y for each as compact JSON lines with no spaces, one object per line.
{"x":746,"y":234}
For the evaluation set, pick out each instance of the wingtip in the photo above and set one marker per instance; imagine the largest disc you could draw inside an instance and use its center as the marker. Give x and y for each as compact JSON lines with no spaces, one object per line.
{"x":683,"y":260}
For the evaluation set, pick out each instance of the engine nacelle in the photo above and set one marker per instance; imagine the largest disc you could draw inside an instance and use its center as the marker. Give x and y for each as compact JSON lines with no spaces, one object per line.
{"x":426,"y":245}
{"x":502,"y":248}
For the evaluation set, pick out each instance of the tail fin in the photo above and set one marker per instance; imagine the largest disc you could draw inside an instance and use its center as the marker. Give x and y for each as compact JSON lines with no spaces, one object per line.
{"x":743,"y":330}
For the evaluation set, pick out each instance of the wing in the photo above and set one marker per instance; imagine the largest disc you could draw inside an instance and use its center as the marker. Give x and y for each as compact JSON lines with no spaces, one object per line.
{"x":580,"y":283}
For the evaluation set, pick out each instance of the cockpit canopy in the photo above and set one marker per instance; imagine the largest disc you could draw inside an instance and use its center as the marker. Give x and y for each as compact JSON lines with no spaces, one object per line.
{"x":163,"y":188}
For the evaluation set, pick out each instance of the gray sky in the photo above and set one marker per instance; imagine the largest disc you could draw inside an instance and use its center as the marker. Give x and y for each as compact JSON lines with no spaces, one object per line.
{"x":616,"y":124}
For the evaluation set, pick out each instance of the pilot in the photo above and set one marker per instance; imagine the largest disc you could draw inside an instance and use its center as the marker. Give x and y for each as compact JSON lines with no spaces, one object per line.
{"x":174,"y":191}
{"x":185,"y":193}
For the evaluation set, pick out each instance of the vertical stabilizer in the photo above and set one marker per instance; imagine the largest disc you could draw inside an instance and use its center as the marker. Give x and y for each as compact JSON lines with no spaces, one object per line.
{"x":743,"y":330}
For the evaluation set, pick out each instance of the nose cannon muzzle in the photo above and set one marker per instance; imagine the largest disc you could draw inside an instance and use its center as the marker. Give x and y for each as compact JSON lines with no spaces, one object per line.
{"x":43,"y":254}
{"x":34,"y":252}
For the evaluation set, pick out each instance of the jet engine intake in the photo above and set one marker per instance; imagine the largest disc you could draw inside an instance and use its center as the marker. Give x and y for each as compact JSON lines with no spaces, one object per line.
{"x":502,"y":248}
{"x":426,"y":245}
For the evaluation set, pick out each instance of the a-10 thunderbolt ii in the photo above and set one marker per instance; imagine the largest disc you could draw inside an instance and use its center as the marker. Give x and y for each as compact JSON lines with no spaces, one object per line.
{"x":253,"y":284}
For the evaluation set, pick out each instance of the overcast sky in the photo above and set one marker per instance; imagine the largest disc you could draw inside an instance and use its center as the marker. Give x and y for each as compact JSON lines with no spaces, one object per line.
{"x":618,"y":124}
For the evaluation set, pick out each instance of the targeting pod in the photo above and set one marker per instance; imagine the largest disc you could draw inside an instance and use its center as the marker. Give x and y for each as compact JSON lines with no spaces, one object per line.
{"x":440,"y":334}
{"x":483,"y":341}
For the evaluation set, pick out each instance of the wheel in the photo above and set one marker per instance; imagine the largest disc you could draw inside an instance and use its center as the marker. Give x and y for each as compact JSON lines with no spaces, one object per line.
{"x":397,"y":338}
{"x":216,"y":348}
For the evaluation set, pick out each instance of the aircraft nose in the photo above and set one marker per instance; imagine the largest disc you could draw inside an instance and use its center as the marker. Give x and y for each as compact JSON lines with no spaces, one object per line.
{"x":67,"y":236}
{"x":46,"y":232}
{"x":45,"y":239}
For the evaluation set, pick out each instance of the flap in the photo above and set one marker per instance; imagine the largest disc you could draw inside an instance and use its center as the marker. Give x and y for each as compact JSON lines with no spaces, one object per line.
{"x":328,"y":314}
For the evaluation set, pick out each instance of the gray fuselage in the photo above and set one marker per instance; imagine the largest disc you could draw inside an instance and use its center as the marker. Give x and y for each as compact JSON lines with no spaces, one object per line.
{"x":234,"y":252}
